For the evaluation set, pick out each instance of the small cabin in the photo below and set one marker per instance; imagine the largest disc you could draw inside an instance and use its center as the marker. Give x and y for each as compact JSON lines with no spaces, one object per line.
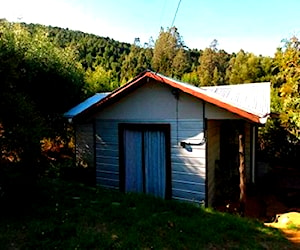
{"x":170,"y":139}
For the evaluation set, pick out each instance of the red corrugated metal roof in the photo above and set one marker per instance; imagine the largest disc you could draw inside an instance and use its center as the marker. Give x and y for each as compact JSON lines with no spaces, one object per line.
{"x":201,"y":93}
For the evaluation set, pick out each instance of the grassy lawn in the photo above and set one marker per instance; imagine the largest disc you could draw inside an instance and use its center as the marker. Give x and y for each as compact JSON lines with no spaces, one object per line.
{"x":67,"y":215}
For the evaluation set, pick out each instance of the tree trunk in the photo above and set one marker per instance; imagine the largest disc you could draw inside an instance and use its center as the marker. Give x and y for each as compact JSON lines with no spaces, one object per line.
{"x":242,"y":175}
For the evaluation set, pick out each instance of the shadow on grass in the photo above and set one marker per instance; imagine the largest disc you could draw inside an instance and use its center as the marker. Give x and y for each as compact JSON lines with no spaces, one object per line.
{"x":68,"y":215}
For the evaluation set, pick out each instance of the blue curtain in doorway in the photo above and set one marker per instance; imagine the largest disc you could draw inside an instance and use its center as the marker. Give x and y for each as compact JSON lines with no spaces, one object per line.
{"x":155,"y":163}
{"x":133,"y":161}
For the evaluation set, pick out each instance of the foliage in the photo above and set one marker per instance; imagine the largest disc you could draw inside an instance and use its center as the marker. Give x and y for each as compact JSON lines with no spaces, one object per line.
{"x":138,"y":60}
{"x":288,"y":81}
{"x":42,"y":69}
{"x":180,"y":63}
{"x":18,"y":115}
{"x":99,"y":80}
{"x":247,"y":68}
{"x":93,"y":51}
{"x":52,"y":72}
{"x":169,"y":56}
{"x":212,"y":68}
{"x":272,"y":137}
{"x":38,"y":82}
{"x":69,"y":215}
{"x":191,"y":78}
{"x":22,"y":128}
{"x":280,"y":138}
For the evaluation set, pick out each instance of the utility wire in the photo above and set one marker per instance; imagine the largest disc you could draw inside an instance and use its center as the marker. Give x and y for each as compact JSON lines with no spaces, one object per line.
{"x":175,"y":13}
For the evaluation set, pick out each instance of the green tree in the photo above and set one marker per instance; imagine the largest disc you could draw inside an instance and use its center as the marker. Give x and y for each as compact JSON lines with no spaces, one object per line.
{"x":237,"y":69}
{"x":138,"y":60}
{"x":98,"y":80}
{"x":247,"y":67}
{"x":267,"y":66}
{"x":38,"y":82}
{"x":180,"y":63}
{"x":164,"y":52}
{"x":213,"y":64}
{"x":169,"y":53}
{"x":287,"y":60}
{"x":279,"y":139}
{"x":191,"y":77}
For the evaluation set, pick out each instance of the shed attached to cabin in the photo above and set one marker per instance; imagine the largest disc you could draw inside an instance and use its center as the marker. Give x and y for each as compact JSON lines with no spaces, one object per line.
{"x":170,"y":139}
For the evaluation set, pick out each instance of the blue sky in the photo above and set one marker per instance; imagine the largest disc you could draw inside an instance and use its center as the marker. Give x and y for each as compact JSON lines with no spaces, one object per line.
{"x":257,"y":26}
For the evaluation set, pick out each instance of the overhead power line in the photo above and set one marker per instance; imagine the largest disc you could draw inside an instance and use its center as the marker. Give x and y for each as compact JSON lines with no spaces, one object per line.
{"x":175,"y":13}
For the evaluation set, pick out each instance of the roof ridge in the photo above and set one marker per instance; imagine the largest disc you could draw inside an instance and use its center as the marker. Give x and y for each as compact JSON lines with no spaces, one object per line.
{"x":226,"y":100}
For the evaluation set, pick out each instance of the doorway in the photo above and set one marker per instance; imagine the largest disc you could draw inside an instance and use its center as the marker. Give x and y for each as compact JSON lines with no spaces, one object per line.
{"x":227,"y":173}
{"x":145,"y":159}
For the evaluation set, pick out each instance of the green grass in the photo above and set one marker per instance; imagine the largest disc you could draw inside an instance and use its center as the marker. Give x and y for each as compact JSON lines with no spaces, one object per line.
{"x":73,"y":216}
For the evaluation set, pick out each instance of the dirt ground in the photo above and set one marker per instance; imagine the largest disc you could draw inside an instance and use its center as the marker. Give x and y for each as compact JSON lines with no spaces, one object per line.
{"x":276,"y":195}
{"x":292,"y":235}
{"x":283,"y":204}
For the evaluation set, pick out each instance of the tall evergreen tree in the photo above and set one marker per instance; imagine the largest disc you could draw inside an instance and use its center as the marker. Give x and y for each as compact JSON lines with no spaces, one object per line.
{"x":180,"y":63}
{"x":213,"y":64}
{"x":237,"y":70}
{"x":138,"y":60}
{"x":169,"y":52}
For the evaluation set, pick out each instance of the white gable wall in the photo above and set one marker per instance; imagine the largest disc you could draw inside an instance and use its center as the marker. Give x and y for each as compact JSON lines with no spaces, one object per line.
{"x":152,"y":101}
{"x":213,"y":112}
{"x":156,"y":101}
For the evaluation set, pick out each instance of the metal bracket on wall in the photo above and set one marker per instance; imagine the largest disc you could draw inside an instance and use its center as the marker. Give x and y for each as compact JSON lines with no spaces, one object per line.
{"x":185,"y":144}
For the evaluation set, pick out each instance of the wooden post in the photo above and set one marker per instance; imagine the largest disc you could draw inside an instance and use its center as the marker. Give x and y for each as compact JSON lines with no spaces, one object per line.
{"x":242,"y":171}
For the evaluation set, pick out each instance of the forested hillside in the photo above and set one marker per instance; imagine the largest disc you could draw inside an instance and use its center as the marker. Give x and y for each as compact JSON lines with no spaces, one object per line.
{"x":168,"y":55}
{"x":44,"y":71}
{"x":109,"y":63}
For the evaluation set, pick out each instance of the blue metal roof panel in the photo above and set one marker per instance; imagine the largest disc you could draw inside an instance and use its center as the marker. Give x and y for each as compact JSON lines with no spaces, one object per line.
{"x":85,"y":104}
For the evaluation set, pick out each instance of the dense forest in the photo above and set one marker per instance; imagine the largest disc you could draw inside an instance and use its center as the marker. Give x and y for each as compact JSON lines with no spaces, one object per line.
{"x":44,"y":71}
{"x":108,"y":63}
